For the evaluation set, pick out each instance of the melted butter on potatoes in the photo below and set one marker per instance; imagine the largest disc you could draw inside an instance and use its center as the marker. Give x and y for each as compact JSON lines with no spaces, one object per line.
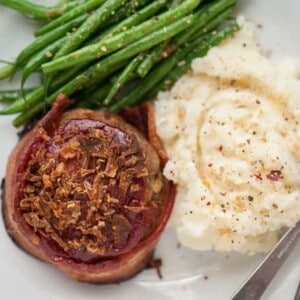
{"x":231,"y":130}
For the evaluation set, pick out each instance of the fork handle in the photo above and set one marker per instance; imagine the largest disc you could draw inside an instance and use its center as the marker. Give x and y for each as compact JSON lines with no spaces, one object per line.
{"x":257,"y":283}
{"x":297,"y":296}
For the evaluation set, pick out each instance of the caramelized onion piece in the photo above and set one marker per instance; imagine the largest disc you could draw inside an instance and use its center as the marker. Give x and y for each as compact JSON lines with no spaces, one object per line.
{"x":84,"y":191}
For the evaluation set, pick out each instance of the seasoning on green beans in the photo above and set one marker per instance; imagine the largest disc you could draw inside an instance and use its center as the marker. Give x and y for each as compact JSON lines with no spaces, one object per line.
{"x":92,"y":49}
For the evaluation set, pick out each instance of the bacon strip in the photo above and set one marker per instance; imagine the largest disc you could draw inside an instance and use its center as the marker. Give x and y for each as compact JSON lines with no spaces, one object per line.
{"x":84,"y":192}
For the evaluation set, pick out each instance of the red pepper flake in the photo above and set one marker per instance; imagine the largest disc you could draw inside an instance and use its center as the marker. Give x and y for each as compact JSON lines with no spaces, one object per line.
{"x":258,"y":176}
{"x":220,"y":148}
{"x":275,"y":175}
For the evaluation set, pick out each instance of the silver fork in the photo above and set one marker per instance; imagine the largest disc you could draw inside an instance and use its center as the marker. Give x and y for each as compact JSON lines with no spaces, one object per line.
{"x":297,"y":296}
{"x":257,"y":283}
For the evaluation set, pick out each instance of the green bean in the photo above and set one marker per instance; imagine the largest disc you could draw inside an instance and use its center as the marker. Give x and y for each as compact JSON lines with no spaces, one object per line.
{"x":95,"y":98}
{"x":120,"y":40}
{"x":151,"y":59}
{"x":38,"y":94}
{"x":37,"y":60}
{"x":91,"y":76}
{"x":139,"y":17}
{"x":181,"y":68}
{"x":43,"y":41}
{"x":123,"y":78}
{"x":84,"y":32}
{"x":206,"y":14}
{"x":116,"y":61}
{"x":135,"y":19}
{"x":130,"y":8}
{"x":66,"y":78}
{"x":28,"y":115}
{"x":8,"y":96}
{"x":154,"y":55}
{"x":94,"y":21}
{"x":20,"y":103}
{"x":7,"y":71}
{"x":105,"y":67}
{"x":69,"y":16}
{"x":149,"y":82}
{"x":175,"y":2}
{"x":122,"y":46}
{"x":38,"y":12}
{"x":7,"y":62}
{"x":162,"y":70}
{"x":68,"y":5}
{"x":209,"y":13}
{"x":211,"y":25}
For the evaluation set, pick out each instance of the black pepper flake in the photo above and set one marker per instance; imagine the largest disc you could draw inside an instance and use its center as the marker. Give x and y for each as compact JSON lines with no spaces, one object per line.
{"x":2,"y":189}
{"x":274,"y":205}
{"x":156,"y":264}
{"x":205,"y":277}
{"x":250,"y":198}
{"x":254,"y":132}
{"x":208,"y":203}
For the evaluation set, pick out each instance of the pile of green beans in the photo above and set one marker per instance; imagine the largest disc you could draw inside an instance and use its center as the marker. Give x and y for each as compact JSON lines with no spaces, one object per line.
{"x":93,"y":50}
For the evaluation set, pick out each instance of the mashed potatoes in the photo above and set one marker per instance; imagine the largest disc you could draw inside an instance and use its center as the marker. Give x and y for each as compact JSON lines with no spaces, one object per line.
{"x":231,"y":130}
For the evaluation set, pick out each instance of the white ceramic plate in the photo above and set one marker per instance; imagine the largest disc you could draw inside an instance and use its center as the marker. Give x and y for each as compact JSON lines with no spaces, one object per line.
{"x":187,"y":275}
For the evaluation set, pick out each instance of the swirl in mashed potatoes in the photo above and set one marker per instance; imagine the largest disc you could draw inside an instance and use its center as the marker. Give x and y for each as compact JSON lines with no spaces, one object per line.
{"x":231,"y":130}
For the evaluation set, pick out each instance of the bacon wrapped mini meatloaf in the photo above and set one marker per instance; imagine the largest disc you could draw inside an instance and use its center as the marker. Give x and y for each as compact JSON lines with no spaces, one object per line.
{"x":84,"y":191}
